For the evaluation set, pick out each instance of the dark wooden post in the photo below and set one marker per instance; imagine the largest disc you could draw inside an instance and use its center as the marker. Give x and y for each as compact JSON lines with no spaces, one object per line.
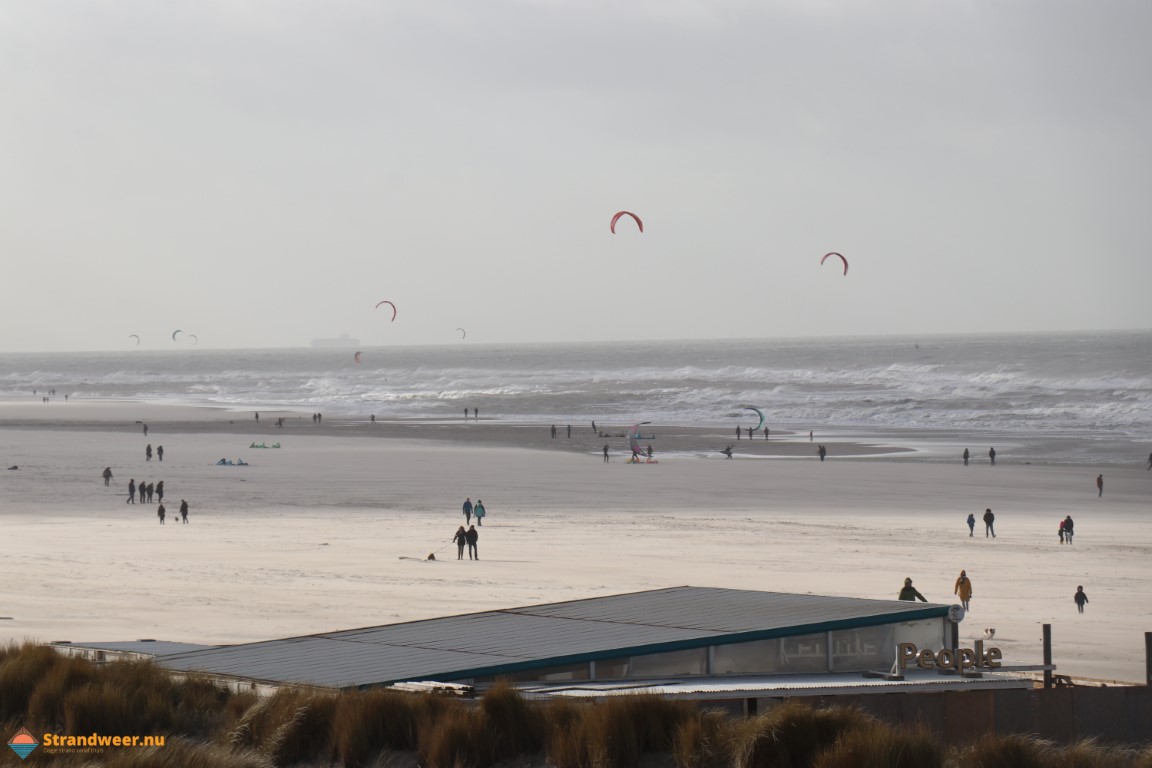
{"x":1148,"y":659}
{"x":1047,"y":655}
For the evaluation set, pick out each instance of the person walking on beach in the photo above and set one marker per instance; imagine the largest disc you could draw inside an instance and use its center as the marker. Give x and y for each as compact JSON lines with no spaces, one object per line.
{"x":160,"y":453}
{"x":160,"y":514}
{"x":605,"y":453}
{"x":992,"y":456}
{"x":148,"y":452}
{"x":1068,"y":528}
{"x":461,"y":538}
{"x":465,"y":414}
{"x":749,"y":433}
{"x":257,"y":417}
{"x":739,"y":432}
{"x":809,"y":435}
{"x":553,"y":431}
{"x":131,"y":492}
{"x":1080,"y":598}
{"x":145,"y":430}
{"x":472,"y":536}
{"x":963,"y":589}
{"x":160,"y":491}
{"x":476,"y":413}
{"x":184,"y":511}
{"x":910,"y":592}
{"x":966,"y":457}
{"x":989,"y":527}
{"x":971,"y":525}
{"x":1060,"y":531}
{"x":142,"y":491}
{"x":107,"y":476}
{"x":1100,"y":485}
{"x":151,"y":491}
{"x":478,"y":512}
{"x":372,"y":418}
{"x":468,"y":510}
{"x":823,"y":452}
{"x":727,"y":451}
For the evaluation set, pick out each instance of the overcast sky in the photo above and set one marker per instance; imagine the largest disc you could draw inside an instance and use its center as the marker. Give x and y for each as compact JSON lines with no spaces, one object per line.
{"x":263,"y":172}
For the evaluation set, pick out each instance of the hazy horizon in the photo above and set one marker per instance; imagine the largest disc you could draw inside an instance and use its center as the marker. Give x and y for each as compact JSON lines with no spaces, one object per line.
{"x":263,"y":174}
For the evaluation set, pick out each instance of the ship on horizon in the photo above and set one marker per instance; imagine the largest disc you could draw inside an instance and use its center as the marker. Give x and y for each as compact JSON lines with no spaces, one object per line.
{"x":344,"y":340}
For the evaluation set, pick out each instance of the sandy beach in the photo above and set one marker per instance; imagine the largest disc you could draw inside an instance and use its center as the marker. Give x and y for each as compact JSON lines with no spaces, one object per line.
{"x":331,"y":530}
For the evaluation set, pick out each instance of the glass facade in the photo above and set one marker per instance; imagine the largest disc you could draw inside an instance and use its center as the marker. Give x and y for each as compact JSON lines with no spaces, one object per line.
{"x":844,"y":650}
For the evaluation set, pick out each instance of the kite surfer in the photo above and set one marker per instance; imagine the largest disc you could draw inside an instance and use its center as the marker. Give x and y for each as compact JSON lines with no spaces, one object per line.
{"x":727,"y":451}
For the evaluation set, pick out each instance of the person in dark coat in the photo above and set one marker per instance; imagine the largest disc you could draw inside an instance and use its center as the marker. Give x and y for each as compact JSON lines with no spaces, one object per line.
{"x":910,"y":592}
{"x":1068,"y":525}
{"x":160,"y":452}
{"x":131,"y":492}
{"x":160,"y":514}
{"x":148,"y":452}
{"x":966,"y":455}
{"x":461,"y":538}
{"x":184,"y":510}
{"x":468,"y":511}
{"x":472,"y":537}
{"x":1080,"y":598}
{"x":971,"y":525}
{"x":989,"y":524}
{"x":107,"y":475}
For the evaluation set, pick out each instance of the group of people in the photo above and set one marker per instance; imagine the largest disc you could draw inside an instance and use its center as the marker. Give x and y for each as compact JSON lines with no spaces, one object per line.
{"x":989,"y":524}
{"x":474,"y":511}
{"x":963,"y":590}
{"x":162,"y":513}
{"x":145,"y":491}
{"x":475,"y":414}
{"x":751,"y":432}
{"x":1066,"y":529}
{"x":148,"y":452}
{"x":470,"y":536}
{"x":991,"y":456}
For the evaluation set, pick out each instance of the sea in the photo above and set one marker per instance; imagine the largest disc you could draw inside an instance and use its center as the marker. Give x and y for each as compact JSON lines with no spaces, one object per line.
{"x":1083,"y":398}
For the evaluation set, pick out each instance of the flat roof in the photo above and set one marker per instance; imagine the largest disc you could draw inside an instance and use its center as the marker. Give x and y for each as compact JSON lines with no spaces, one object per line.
{"x":533,"y":637}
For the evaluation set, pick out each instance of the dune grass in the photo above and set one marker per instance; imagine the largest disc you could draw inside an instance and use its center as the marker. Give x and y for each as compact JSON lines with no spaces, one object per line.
{"x":207,"y":724}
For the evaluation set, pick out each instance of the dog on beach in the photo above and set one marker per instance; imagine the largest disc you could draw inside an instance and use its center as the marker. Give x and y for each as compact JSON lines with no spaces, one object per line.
{"x":989,"y":633}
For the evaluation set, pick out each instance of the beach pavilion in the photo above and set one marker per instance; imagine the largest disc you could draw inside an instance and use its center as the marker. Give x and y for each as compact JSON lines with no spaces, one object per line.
{"x":706,"y":644}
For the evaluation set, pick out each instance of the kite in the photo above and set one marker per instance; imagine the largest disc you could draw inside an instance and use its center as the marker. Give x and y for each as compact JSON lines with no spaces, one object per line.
{"x":634,"y":437}
{"x":616,"y":218}
{"x":758,"y":413}
{"x":833,"y":253}
{"x":174,"y":333}
{"x":389,"y":304}
{"x":134,"y":336}
{"x":195,"y":338}
{"x":463,"y":333}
